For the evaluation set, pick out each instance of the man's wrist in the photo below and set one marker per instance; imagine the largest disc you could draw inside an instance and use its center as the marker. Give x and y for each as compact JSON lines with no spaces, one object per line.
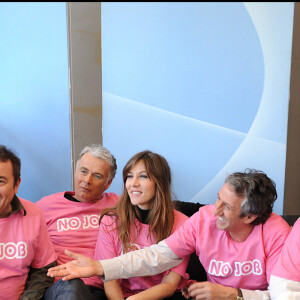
{"x":232,"y":294}
{"x":99,"y":268}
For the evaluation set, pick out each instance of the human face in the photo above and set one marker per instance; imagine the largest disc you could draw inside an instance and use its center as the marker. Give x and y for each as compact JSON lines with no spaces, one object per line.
{"x":228,"y":210}
{"x":140,"y":188}
{"x":91,"y":178}
{"x":7,"y":188}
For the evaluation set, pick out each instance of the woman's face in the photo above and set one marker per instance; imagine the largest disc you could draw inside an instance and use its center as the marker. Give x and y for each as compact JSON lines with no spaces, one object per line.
{"x":140,"y":188}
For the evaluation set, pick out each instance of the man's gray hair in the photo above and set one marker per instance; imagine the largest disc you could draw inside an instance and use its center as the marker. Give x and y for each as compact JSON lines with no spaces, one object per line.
{"x":101,"y":152}
{"x":259,"y":193}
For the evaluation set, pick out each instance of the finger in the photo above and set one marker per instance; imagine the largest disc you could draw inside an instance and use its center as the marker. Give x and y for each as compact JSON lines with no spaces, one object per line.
{"x":72,"y":254}
{"x":68,"y":277}
{"x":57,"y":268}
{"x":197,"y":291}
{"x":195,"y":286}
{"x":59,"y":273}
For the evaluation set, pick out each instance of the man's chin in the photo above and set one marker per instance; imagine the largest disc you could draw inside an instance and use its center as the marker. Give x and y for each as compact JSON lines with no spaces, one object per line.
{"x":221,"y":225}
{"x":85,"y":197}
{"x":87,"y":200}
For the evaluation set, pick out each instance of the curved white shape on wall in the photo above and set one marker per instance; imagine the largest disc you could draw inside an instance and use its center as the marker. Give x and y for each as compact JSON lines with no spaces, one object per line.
{"x":209,"y":96}
{"x":264,"y":147}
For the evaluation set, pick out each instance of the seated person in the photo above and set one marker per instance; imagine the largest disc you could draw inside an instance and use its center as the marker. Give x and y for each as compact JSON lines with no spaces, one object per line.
{"x":238,"y":240}
{"x":26,"y":251}
{"x":73,"y":218}
{"x":143,"y":216}
{"x":285,"y":278}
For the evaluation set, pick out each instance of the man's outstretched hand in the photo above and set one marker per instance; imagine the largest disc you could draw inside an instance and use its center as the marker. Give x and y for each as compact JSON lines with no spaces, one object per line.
{"x":81,"y":266}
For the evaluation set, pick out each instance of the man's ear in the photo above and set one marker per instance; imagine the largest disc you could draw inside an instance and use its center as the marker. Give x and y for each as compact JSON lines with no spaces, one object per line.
{"x":16,"y":187}
{"x":108,"y":184}
{"x":249,"y":219}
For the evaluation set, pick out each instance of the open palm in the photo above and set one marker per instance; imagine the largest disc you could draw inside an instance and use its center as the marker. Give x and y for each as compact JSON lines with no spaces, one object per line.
{"x":80,"y":266}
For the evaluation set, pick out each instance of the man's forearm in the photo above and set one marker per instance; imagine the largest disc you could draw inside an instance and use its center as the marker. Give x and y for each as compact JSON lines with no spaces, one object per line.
{"x":145,"y":262}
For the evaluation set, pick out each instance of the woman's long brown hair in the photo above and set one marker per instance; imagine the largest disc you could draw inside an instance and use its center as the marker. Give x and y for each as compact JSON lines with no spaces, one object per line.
{"x":161,"y":216}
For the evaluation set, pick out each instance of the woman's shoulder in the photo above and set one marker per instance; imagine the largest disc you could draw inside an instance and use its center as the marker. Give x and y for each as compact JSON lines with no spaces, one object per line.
{"x":109,"y":219}
{"x":179,"y":218}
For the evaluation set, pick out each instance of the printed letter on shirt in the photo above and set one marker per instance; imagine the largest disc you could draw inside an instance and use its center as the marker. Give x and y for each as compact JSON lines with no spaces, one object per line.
{"x":224,"y":269}
{"x":248,"y":267}
{"x":12,"y":250}
{"x":74,"y":223}
{"x":219,"y":268}
{"x":91,"y":221}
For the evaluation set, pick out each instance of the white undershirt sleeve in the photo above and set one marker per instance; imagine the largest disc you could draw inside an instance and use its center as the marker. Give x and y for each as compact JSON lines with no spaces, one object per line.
{"x":144,"y":262}
{"x":284,"y":289}
{"x":255,"y":295}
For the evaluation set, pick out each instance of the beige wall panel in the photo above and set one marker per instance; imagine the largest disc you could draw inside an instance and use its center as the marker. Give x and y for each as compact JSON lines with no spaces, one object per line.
{"x":84,"y":34}
{"x":292,"y":176}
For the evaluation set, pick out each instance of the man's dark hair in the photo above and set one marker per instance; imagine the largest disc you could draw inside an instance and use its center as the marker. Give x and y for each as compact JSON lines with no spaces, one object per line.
{"x":258,"y":190}
{"x":6,"y":155}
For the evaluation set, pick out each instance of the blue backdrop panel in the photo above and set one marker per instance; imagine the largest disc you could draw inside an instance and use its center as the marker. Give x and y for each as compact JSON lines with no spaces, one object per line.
{"x":204,"y":84}
{"x":34,"y":99}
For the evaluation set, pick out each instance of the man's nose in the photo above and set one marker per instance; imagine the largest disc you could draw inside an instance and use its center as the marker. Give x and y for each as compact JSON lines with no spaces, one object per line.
{"x":218,"y":207}
{"x":88,"y":178}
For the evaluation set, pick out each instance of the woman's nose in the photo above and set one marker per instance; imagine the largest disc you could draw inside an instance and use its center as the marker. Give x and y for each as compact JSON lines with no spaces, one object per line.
{"x":135,"y":181}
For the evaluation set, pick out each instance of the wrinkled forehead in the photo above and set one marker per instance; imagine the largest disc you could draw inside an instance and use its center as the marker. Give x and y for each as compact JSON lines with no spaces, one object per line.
{"x":229,"y":194}
{"x":91,"y":162}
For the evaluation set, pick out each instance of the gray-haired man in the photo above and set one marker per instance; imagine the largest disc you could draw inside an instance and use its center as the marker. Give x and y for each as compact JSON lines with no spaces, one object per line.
{"x":73,"y":218}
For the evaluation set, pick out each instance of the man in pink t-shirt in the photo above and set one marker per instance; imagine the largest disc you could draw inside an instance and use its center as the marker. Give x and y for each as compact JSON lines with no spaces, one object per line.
{"x":73,"y":218}
{"x":238,"y":241}
{"x":26,"y":251}
{"x":285,"y":278}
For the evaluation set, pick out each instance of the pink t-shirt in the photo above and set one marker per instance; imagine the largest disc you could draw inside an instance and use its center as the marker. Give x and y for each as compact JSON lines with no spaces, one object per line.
{"x":24,"y":243}
{"x":288,"y":264}
{"x":109,"y":246}
{"x":75,"y":225}
{"x":246,"y":265}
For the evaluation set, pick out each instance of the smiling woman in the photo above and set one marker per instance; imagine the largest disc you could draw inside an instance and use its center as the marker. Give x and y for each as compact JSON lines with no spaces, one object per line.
{"x":140,"y":187}
{"x":143,"y":216}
